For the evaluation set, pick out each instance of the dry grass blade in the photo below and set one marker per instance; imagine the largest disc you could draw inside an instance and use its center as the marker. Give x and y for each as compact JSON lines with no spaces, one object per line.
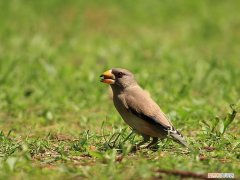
{"x":182,"y":174}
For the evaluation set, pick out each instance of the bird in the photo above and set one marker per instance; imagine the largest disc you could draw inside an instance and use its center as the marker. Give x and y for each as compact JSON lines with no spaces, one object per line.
{"x":138,"y":109}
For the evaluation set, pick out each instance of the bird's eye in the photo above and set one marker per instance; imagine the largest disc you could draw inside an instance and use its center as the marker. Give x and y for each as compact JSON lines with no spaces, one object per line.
{"x":120,"y":74}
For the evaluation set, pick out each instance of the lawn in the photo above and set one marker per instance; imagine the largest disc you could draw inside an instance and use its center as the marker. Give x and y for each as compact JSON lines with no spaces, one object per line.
{"x":56,"y":118}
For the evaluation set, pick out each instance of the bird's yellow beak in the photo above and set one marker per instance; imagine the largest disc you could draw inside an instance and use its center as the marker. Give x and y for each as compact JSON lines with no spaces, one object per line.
{"x":108,"y":77}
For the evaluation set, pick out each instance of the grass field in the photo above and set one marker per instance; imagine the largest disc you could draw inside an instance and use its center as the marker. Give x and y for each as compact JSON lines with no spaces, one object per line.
{"x":56,"y":119}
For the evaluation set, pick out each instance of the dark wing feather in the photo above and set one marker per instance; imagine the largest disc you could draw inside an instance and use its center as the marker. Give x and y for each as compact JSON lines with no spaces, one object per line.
{"x":149,"y":119}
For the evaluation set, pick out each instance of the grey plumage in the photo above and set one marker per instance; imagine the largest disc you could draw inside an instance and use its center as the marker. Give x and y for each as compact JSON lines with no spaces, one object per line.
{"x":138,"y":109}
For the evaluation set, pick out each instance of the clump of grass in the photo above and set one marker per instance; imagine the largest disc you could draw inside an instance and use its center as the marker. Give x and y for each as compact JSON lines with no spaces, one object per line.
{"x":49,"y":87}
{"x":218,"y":126}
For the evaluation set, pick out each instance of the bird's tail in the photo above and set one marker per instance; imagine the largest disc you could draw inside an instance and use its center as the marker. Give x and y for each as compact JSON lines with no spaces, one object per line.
{"x":177,"y":136}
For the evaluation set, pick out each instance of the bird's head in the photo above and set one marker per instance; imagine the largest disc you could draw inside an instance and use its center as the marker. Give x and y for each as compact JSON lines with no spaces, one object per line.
{"x":118,"y":77}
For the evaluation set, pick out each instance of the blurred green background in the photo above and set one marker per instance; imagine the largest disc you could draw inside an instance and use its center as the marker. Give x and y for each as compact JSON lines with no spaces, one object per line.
{"x":185,"y":53}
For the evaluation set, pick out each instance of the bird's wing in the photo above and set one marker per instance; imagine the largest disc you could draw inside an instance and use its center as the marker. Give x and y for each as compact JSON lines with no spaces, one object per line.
{"x":138,"y":102}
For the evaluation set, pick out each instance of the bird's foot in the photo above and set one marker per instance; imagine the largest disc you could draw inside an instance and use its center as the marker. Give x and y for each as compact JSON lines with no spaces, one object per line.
{"x":154,"y":147}
{"x":153,"y":144}
{"x":137,"y":147}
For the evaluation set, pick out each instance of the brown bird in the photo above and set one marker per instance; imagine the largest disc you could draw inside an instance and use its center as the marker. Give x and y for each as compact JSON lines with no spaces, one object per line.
{"x":138,"y":109}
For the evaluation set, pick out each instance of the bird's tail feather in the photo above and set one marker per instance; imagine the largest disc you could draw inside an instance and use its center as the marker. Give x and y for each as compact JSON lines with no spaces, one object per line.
{"x":177,"y":137}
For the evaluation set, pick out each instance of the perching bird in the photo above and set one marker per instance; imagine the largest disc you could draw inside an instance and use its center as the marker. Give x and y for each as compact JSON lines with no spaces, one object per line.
{"x":138,"y":109}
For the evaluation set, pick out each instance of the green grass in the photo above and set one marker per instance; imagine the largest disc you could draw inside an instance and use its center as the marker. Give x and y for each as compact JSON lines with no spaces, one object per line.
{"x":56,"y":119}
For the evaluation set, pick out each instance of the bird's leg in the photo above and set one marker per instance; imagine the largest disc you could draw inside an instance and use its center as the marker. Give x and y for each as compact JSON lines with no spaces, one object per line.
{"x":145,"y":139}
{"x":153,"y":142}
